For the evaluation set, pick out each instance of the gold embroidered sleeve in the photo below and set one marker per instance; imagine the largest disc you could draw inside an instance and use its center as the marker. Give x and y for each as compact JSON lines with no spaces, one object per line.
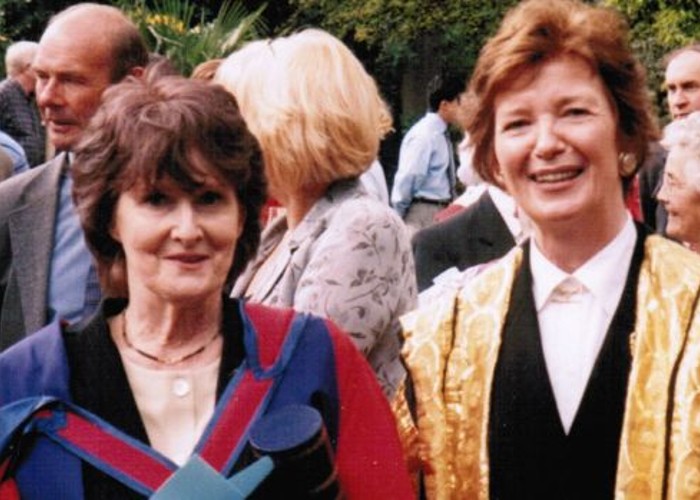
{"x":664,"y":361}
{"x":451,"y":349}
{"x":428,"y":339}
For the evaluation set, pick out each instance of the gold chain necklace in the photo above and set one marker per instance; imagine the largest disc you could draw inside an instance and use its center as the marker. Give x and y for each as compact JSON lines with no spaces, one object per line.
{"x":158,"y":359}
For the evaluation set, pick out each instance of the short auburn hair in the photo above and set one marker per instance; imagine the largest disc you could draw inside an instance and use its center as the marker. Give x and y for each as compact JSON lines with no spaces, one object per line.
{"x":536,"y":31}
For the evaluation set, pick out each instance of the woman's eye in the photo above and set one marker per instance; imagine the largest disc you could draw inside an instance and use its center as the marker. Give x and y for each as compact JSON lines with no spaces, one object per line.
{"x":576,"y":112}
{"x":209,"y":197}
{"x":514,"y":125}
{"x":156,"y":198}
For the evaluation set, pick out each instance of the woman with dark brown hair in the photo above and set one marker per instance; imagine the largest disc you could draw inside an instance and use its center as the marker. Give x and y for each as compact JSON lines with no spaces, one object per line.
{"x":568,"y":368}
{"x":174,"y":374}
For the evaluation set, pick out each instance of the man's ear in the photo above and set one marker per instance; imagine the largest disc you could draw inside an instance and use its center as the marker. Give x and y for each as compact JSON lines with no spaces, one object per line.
{"x":444,"y":106}
{"x":444,"y":110}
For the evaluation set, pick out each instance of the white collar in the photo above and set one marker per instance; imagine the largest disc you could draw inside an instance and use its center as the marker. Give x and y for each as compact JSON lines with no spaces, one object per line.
{"x":436,"y":121}
{"x":603,"y":275}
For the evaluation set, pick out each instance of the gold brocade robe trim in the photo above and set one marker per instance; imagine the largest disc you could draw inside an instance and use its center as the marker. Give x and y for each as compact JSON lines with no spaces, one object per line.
{"x":451,"y":350}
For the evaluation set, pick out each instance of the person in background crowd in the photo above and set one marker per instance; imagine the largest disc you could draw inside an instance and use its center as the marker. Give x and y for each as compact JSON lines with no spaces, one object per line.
{"x":18,"y":160}
{"x":474,"y":186}
{"x":19,"y":116}
{"x":374,"y":179}
{"x":168,"y":182}
{"x":337,"y":252}
{"x":6,"y":164}
{"x":682,"y":82}
{"x":425,"y":180}
{"x":46,"y":270}
{"x":483,"y":231}
{"x":568,"y":368}
{"x":465,"y":150}
{"x":680,"y":191}
{"x":480,"y":225}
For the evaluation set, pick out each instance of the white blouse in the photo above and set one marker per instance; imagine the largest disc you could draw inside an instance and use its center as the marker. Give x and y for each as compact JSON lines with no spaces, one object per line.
{"x":175,"y":405}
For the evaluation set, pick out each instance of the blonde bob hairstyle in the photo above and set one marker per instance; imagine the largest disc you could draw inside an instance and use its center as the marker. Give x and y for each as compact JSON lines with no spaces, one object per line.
{"x":315,"y":111}
{"x":537,"y":31}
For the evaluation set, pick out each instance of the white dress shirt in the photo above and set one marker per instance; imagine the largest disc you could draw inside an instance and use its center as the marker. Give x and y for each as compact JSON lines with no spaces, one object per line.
{"x":424,"y":164}
{"x":574,"y":312}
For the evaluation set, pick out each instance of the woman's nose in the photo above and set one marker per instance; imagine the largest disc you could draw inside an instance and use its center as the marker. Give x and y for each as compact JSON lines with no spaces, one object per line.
{"x":547,"y":143}
{"x":47,"y":93}
{"x":186,"y":223}
{"x":678,"y":98}
{"x":662,"y":194}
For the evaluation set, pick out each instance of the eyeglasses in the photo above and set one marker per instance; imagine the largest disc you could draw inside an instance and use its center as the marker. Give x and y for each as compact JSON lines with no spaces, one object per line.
{"x":671,"y":185}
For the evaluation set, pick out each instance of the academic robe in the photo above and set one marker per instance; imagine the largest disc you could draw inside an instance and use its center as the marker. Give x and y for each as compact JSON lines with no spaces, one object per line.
{"x":452,"y":352}
{"x":317,"y":366}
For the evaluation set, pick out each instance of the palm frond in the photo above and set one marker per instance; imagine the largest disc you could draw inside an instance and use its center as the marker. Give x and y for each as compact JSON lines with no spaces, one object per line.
{"x":182,"y":33}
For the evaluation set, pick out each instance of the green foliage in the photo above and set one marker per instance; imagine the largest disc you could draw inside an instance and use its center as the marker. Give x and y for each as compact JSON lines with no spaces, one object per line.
{"x":24,"y":20}
{"x":403,"y":43}
{"x":395,"y":29}
{"x":180,"y":30}
{"x":657,"y":28}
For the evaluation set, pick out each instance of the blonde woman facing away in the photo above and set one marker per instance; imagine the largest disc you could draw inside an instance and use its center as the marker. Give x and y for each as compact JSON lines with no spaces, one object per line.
{"x":337,"y":251}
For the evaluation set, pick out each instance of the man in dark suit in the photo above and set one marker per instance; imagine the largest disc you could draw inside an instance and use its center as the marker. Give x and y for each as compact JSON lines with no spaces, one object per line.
{"x":473,"y":236}
{"x":44,"y":262}
{"x":650,"y":177}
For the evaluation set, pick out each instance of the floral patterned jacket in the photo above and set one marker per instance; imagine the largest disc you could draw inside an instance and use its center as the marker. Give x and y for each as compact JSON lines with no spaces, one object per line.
{"x":349,"y":260}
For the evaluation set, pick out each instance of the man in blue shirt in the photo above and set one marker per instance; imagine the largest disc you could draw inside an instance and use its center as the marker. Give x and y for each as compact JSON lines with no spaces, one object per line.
{"x":425,"y":177}
{"x":45,"y":266}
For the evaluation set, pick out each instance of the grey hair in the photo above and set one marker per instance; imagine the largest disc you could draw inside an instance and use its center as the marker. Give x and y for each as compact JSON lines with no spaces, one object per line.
{"x":19,"y":56}
{"x":684,"y":134}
